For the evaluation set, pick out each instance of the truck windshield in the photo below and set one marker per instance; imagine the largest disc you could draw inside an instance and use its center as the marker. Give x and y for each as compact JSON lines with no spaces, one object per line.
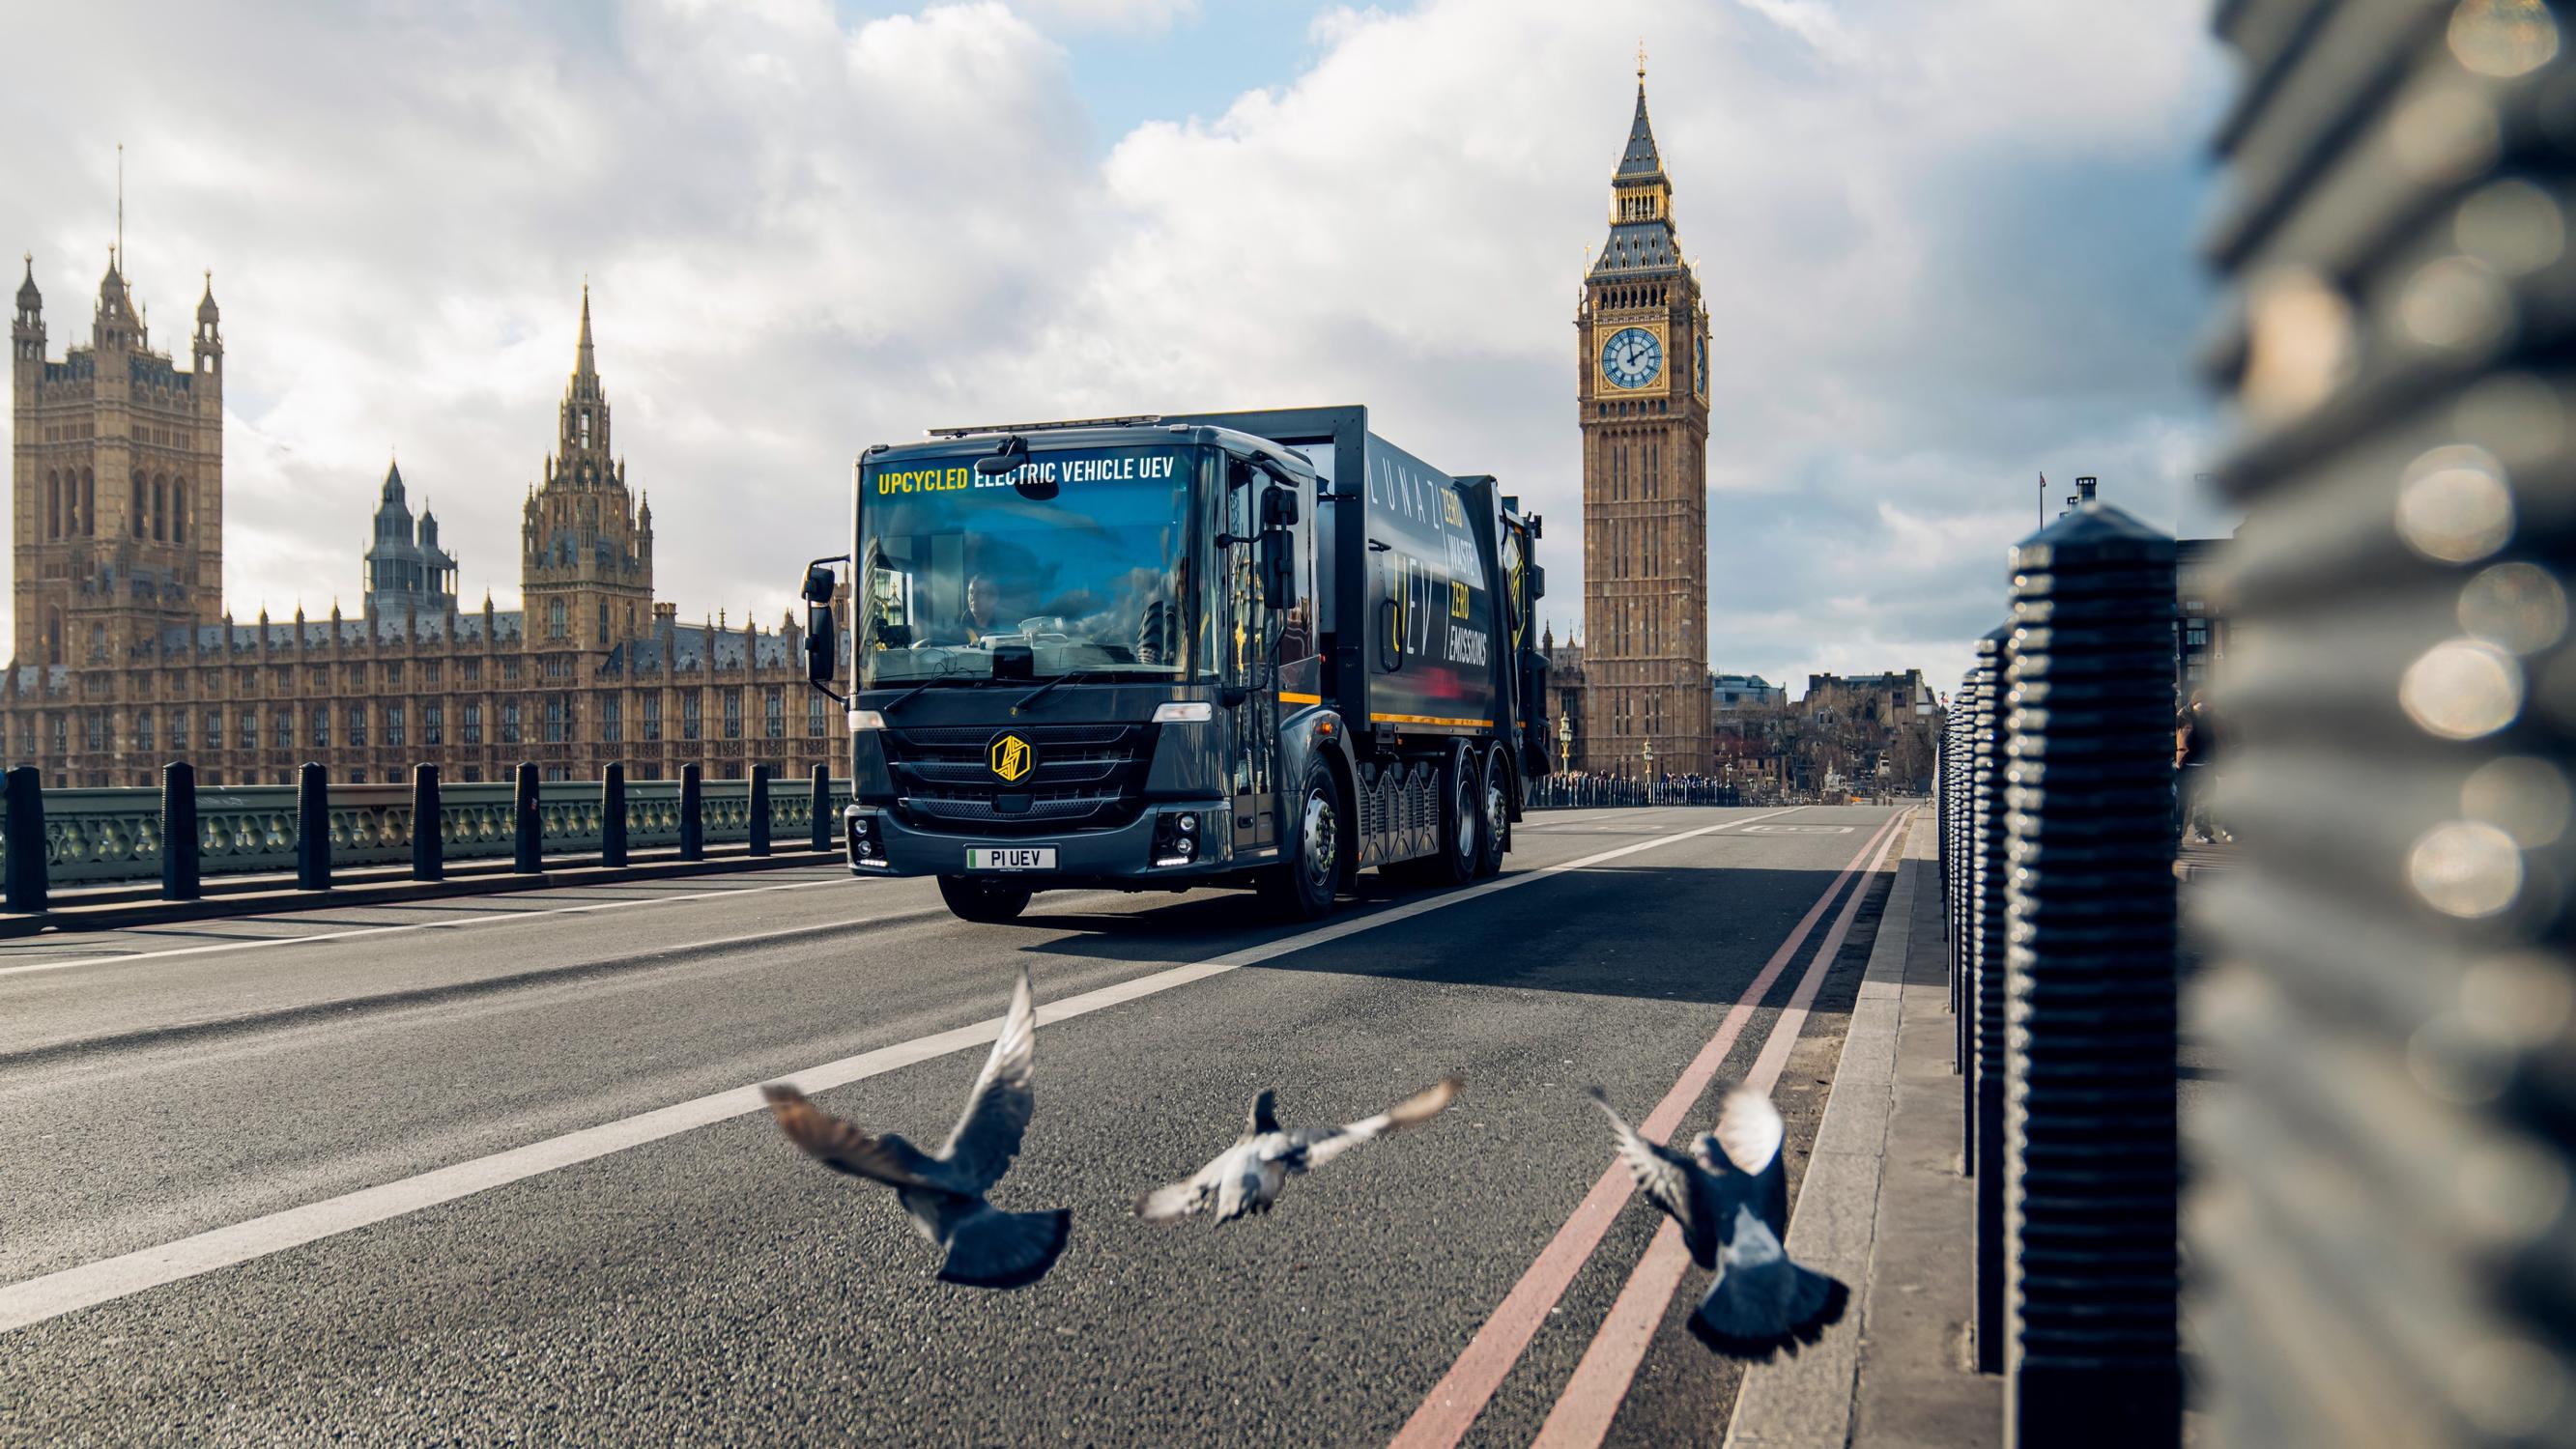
{"x":1081,"y":558}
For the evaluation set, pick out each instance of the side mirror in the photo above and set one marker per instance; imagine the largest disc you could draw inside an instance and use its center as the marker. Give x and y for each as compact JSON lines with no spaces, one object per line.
{"x":822,"y":643}
{"x":1278,"y":567}
{"x":820,"y":583}
{"x":1278,"y":506}
{"x":1390,"y":636}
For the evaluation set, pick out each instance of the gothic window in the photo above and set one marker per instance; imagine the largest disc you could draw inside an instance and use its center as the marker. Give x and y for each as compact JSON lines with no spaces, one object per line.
{"x":510,"y":670}
{"x":817,"y":723}
{"x":612,"y":720}
{"x":473,"y":671}
{"x":178,"y":510}
{"x":689,"y":714}
{"x":89,"y":501}
{"x":733,"y":714}
{"x":160,"y":509}
{"x":433,"y":724}
{"x":394,"y":726}
{"x":555,"y":617}
{"x":509,"y":721}
{"x":653,"y":718}
{"x":585,"y":427}
{"x":321,"y":727}
{"x":53,"y":506}
{"x":62,"y":735}
{"x":773,"y":710}
{"x":143,"y":732}
{"x":138,"y":505}
{"x":179,"y":730}
{"x":554,"y":719}
{"x":358,"y":726}
{"x":473,"y":724}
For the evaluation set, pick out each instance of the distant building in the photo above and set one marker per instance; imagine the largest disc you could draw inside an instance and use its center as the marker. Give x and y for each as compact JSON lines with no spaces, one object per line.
{"x":1887,"y":700}
{"x":2200,"y":629}
{"x":126,"y":659}
{"x":1730,"y":692}
{"x":1565,"y":685}
{"x":407,"y":575}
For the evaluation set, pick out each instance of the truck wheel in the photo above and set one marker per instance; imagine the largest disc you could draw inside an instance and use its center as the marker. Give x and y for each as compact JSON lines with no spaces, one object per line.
{"x":1302,"y":887}
{"x":1498,"y":815}
{"x":989,"y":902}
{"x":1462,"y":821}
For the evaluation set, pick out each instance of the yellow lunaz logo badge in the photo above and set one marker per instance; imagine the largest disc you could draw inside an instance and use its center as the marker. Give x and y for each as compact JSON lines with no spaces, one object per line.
{"x":1010,"y":757}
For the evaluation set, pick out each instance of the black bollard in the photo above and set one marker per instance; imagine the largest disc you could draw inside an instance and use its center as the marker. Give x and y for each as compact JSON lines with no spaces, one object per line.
{"x":612,"y":814}
{"x":179,"y":831}
{"x":758,"y":826}
{"x":527,"y":825}
{"x":1963,"y":1001}
{"x":25,"y":796}
{"x":2093,"y":1349}
{"x":428,"y":826}
{"x":693,"y":822}
{"x":822,"y":823}
{"x":1986,"y":869}
{"x":312,"y":827}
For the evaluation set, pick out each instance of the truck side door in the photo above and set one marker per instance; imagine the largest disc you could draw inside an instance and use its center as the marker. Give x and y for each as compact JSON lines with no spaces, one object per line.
{"x":1250,"y":648}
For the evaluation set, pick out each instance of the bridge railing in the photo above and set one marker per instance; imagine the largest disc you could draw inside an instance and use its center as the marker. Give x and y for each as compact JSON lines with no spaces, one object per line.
{"x":1581,"y":792}
{"x":111,"y":837}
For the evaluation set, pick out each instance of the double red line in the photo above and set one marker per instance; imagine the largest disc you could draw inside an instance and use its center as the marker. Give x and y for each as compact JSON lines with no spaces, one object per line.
{"x":1583,"y":1412}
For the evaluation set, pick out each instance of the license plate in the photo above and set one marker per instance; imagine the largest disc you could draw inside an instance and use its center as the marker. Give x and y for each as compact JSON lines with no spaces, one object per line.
{"x":1040,"y":857}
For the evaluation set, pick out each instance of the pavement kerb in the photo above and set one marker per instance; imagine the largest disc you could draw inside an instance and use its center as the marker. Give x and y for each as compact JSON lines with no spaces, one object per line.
{"x":123,"y":914}
{"x":1806,"y":1400}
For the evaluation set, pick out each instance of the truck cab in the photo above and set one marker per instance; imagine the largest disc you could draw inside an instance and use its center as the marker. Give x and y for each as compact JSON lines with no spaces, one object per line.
{"x":1106,"y":654}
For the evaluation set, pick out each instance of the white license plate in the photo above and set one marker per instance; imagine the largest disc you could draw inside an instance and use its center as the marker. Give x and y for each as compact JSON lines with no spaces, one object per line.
{"x":1040,"y":857}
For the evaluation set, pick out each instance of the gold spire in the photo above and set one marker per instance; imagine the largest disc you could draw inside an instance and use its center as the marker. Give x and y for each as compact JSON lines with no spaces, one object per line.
{"x":1641,"y":61}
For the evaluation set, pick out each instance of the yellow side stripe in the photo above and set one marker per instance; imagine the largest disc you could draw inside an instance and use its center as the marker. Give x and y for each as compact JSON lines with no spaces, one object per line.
{"x":1287,"y":698}
{"x":1429,"y":719}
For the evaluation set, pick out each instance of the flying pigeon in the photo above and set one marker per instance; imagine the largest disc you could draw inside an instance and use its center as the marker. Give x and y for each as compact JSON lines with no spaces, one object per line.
{"x":1246,"y":1177}
{"x":1731,"y":1197}
{"x":987,"y":1248}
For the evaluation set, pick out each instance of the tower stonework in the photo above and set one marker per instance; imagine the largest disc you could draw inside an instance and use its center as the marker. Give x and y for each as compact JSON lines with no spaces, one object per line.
{"x":586,"y":569}
{"x":1641,"y":391}
{"x":117,"y":460}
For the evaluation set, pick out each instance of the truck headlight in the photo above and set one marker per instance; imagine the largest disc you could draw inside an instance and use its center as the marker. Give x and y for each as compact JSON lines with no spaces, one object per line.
{"x":866,"y":719}
{"x":1184,"y":711}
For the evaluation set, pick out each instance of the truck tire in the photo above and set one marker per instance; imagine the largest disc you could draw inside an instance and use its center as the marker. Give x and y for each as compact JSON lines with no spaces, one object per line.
{"x":1462,"y":820}
{"x":1498,"y":814}
{"x":989,"y":902}
{"x":1303,"y":886}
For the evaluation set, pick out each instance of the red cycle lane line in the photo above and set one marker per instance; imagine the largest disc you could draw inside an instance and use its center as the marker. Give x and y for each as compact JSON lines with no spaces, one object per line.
{"x":1451,"y":1407}
{"x":1581,"y":1418}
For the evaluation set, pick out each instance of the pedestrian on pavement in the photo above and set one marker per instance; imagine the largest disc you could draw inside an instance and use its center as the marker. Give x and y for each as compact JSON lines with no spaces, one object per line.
{"x":2195,"y":748}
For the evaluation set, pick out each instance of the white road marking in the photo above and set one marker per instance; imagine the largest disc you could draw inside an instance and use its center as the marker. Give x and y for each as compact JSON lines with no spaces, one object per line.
{"x":449,"y":925}
{"x":104,"y":1280}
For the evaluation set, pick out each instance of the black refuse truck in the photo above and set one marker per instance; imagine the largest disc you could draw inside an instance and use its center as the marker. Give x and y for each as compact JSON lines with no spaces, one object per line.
{"x":1263,"y":649}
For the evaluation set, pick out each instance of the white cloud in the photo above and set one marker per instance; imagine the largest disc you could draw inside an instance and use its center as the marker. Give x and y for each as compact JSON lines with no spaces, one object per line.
{"x":1113,"y":15}
{"x":1935,"y":265}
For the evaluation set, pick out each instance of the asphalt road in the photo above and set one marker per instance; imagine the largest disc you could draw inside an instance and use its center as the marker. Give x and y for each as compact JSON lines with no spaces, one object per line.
{"x":478,"y":1171}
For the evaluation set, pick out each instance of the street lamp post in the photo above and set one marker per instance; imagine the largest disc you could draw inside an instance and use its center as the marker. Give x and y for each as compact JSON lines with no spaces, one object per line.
{"x":1565,"y":742}
{"x":1650,"y":772}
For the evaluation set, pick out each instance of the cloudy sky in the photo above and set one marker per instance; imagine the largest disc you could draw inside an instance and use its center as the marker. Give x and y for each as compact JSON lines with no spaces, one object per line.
{"x":1947,"y":248}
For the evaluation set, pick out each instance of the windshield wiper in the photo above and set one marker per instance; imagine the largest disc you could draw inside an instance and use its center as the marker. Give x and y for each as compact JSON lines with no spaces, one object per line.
{"x":900,"y":700}
{"x":1025,"y":700}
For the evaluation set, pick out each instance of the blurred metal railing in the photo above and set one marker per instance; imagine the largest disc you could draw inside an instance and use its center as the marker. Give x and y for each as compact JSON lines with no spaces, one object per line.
{"x":2382,"y":1226}
{"x":1986,"y":993}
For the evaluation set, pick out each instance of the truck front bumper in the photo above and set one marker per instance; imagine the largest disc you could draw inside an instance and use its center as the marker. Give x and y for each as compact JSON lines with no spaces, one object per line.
{"x":877,"y":843}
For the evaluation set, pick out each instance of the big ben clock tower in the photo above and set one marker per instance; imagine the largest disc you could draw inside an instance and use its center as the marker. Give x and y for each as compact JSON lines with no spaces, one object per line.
{"x":1641,"y":393}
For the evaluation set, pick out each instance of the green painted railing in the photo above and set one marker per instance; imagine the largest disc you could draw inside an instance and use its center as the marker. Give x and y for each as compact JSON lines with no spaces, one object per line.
{"x":106,"y":836}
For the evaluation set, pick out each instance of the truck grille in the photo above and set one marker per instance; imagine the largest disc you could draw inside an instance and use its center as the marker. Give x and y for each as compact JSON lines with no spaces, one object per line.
{"x":1080,"y":776}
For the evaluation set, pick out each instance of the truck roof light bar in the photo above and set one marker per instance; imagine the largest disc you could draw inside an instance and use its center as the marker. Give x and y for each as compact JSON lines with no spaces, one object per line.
{"x":1042,"y":427}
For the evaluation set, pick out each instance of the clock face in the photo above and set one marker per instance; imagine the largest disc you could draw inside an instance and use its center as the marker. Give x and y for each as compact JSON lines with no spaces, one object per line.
{"x":1632,"y":357}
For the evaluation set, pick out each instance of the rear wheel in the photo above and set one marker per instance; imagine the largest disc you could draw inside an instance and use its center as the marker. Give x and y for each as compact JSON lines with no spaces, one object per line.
{"x":1462,"y":820}
{"x":987,"y":901}
{"x":1498,"y":814}
{"x":1302,"y":887}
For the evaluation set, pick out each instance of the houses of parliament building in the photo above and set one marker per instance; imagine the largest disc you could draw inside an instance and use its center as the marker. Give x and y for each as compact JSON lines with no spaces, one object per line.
{"x":125,"y":657}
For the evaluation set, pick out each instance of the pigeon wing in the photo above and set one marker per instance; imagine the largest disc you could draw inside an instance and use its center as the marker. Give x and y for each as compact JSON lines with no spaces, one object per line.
{"x":1669,"y":1180}
{"x":987,"y":1135}
{"x":1749,"y":1133}
{"x":1174,"y":1201}
{"x":1315,"y":1146}
{"x":842,"y":1147}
